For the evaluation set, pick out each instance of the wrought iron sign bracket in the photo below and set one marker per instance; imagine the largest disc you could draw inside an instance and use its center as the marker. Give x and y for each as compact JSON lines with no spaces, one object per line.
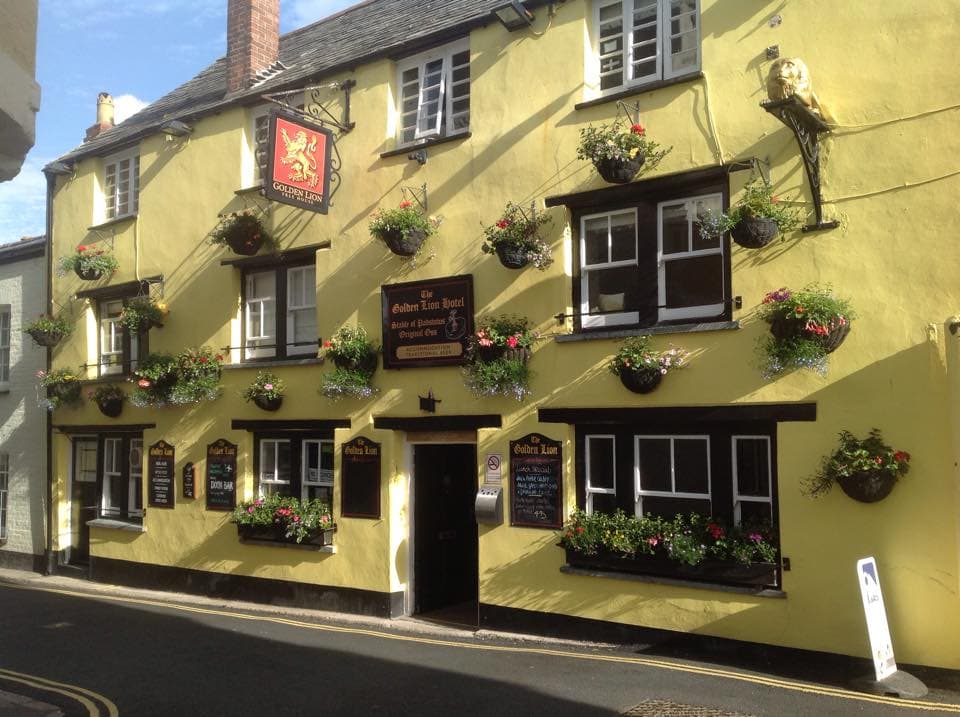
{"x":760,"y":166}
{"x":807,"y":128}
{"x":417,"y":195}
{"x":319,"y":113}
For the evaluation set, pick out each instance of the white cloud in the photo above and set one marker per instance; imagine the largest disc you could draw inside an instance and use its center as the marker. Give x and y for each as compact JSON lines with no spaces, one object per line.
{"x":125,"y":106}
{"x":304,"y":12}
{"x":23,"y":202}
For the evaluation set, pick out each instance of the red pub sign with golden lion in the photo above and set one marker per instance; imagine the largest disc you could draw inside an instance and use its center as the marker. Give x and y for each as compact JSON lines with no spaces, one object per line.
{"x":298,"y":162}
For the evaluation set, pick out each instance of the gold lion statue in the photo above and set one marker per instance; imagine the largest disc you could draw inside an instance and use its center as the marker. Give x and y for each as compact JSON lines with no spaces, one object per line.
{"x":790,"y":77}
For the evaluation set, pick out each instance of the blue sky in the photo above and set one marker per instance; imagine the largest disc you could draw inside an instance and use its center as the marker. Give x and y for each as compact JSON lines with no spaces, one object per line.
{"x":136,"y":51}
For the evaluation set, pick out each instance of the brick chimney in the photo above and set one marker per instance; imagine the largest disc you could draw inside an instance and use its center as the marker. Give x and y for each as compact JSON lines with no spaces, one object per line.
{"x":104,"y":116}
{"x":253,"y":40}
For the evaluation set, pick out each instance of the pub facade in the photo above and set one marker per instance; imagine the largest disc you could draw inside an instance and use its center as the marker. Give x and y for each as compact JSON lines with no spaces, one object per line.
{"x":234,"y":254}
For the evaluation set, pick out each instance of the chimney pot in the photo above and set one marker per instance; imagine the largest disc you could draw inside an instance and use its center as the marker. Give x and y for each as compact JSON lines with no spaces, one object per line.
{"x":104,"y":116}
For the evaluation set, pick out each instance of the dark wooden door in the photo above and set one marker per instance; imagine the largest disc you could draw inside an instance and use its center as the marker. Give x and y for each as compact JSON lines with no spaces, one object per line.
{"x":83,"y":497}
{"x":445,"y":530}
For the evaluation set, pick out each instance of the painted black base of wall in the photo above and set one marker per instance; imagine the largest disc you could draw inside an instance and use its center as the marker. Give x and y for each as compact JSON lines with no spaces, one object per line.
{"x":21,"y":561}
{"x":241,"y":587}
{"x":794,"y":663}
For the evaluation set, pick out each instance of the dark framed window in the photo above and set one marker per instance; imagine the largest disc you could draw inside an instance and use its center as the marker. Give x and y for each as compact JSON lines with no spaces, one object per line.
{"x":294,"y":464}
{"x":120,"y":477}
{"x":118,"y":350}
{"x":279,"y":312}
{"x":721,"y":470}
{"x":641,"y":259}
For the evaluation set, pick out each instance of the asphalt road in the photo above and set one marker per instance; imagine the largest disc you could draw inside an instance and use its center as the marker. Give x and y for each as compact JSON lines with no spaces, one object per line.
{"x":134,"y":653}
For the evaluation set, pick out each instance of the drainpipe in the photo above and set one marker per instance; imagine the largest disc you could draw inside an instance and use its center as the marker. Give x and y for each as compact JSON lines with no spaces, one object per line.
{"x":50,"y":557}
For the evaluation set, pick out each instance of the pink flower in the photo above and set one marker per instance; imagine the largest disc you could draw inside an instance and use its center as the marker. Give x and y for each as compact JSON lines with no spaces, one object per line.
{"x":755,"y":537}
{"x":503,"y":224}
{"x":485,"y":342}
{"x":143,"y":383}
{"x":512,"y":342}
{"x":41,"y":373}
{"x":250,"y":509}
{"x":258,"y":502}
{"x":268,"y":387}
{"x":653,"y":541}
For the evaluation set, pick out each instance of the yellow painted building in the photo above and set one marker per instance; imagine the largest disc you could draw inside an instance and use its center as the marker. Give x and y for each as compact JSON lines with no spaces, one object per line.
{"x":440,"y":104}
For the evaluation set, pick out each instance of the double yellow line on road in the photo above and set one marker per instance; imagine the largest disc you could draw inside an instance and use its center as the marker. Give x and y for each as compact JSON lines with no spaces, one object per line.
{"x":773,"y":682}
{"x":90,"y":700}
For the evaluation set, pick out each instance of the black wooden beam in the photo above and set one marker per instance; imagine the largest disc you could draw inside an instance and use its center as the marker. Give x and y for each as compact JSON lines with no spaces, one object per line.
{"x":438,"y":423}
{"x":684,"y":414}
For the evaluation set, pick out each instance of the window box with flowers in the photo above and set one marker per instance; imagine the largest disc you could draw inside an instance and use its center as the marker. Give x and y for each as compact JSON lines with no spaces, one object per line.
{"x":48,"y":330}
{"x":243,"y":232}
{"x":686,"y":547}
{"x":403,"y":229}
{"x":754,"y":221}
{"x":283,"y":520}
{"x":619,"y":153}
{"x":805,"y":326}
{"x":88,"y":263}
{"x":641,"y":368}
{"x":109,"y":398}
{"x":865,"y":469}
{"x":62,"y":387}
{"x":498,"y":354}
{"x":516,"y":241}
{"x":266,"y":391}
{"x":142,"y":313}
{"x":355,"y":359}
{"x":155,"y":377}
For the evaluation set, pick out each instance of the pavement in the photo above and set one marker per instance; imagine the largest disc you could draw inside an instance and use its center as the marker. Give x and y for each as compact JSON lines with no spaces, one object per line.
{"x":827,"y":673}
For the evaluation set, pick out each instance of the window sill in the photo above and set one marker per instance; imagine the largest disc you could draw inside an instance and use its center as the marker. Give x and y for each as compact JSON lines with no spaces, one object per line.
{"x":637,"y":90}
{"x":112,"y":222}
{"x":424,"y":144}
{"x":256,"y":189}
{"x":675,"y":582}
{"x":274,"y":363}
{"x":612,"y":333}
{"x":117,"y":525}
{"x":329,"y":549}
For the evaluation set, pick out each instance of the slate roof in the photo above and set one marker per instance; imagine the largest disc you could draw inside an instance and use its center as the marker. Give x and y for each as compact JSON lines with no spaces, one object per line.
{"x":355,"y":36}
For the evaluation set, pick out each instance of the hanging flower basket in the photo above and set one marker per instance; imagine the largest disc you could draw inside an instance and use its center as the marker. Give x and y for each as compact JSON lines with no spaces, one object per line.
{"x":868,"y":486}
{"x":643,"y":380}
{"x":45,"y":338}
{"x":367,"y":363}
{"x":243,"y":232}
{"x":88,"y":263}
{"x":403,"y":242}
{"x":754,"y":232}
{"x":512,"y":257}
{"x":618,"y":170}
{"x":515,"y":238}
{"x":403,"y":229}
{"x":268,"y":403}
{"x":797,"y":328}
{"x":111,"y":407}
{"x":88,"y":274}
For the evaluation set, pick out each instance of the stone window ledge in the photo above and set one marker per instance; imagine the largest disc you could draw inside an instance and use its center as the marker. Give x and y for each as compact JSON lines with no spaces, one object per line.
{"x":693,"y":584}
{"x":116,"y":525}
{"x":591,"y":335}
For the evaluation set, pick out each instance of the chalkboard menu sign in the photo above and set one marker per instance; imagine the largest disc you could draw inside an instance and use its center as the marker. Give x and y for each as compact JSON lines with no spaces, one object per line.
{"x":221,"y":475}
{"x":536,"y":482}
{"x":161,"y":489}
{"x":189,"y":481}
{"x":360,"y":478}
{"x":427,"y":323}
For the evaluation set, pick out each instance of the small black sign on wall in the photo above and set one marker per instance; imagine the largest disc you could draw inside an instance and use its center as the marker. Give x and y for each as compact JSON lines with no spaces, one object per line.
{"x":189,"y":481}
{"x":221,"y":475}
{"x":536,"y":482}
{"x":360,"y":479}
{"x":161,"y":489}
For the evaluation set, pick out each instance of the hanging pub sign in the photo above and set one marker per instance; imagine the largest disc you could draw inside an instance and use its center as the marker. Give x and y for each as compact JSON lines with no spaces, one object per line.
{"x":360,"y":476}
{"x":161,"y":489}
{"x":298,"y":162}
{"x":221,"y":475}
{"x":427,"y":323}
{"x":536,"y":482}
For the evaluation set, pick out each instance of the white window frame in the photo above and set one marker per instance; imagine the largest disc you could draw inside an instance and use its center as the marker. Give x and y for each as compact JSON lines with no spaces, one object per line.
{"x":639,"y":493}
{"x":113,"y":451}
{"x":588,"y":319}
{"x":135,"y":478}
{"x":110,"y":186}
{"x":258,"y":116}
{"x":111,"y":337}
{"x":4,"y":492}
{"x":6,"y":317}
{"x":258,"y":305}
{"x":265,"y":470}
{"x":664,"y":58}
{"x":687,"y":312}
{"x":590,"y":489}
{"x":310,"y":288}
{"x":738,"y":499}
{"x":323,"y":480}
{"x":444,"y":123}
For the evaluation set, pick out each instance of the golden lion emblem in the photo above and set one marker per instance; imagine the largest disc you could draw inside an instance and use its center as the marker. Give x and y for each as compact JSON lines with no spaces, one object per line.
{"x":299,"y":155}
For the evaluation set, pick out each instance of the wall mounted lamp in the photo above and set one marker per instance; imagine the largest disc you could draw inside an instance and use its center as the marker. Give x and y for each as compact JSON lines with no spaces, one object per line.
{"x":176,"y":128}
{"x":513,"y":15}
{"x":420,"y":156}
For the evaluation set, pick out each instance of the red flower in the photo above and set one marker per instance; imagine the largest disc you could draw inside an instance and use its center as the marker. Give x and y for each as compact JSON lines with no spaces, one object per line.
{"x":715,"y":530}
{"x":512,"y":342}
{"x":799,"y":310}
{"x":638,"y":129}
{"x":503,"y":224}
{"x":901,"y":456}
{"x":406,"y":204}
{"x":327,"y":344}
{"x":203,"y":359}
{"x":219,"y":357}
{"x":81,"y":248}
{"x":580,"y":529}
{"x":143,"y":383}
{"x":774,"y":199}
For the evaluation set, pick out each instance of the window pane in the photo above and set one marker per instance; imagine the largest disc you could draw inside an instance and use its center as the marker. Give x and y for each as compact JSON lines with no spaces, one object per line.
{"x":283,"y":461}
{"x":603,"y":503}
{"x":691,"y":465}
{"x":670,"y":507}
{"x":654,"y":462}
{"x":753,"y":467}
{"x":601,"y":468}
{"x":611,"y":46}
{"x":675,"y":229}
{"x":595,"y":241}
{"x":694,"y":282}
{"x":623,"y":237}
{"x":713,"y":204}
{"x":755,"y":513}
{"x":612,"y":289}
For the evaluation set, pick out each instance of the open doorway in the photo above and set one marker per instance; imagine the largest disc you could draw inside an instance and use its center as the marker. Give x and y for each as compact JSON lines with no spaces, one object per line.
{"x":445,"y":533}
{"x":83,"y":497}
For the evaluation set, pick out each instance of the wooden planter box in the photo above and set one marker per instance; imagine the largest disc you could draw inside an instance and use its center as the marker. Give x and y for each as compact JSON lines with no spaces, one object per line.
{"x":709,"y":571}
{"x":274,"y":536}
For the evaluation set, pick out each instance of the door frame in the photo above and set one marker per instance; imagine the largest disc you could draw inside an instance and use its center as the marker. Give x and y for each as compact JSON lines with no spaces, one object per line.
{"x":67,"y":550}
{"x":413,"y":439}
